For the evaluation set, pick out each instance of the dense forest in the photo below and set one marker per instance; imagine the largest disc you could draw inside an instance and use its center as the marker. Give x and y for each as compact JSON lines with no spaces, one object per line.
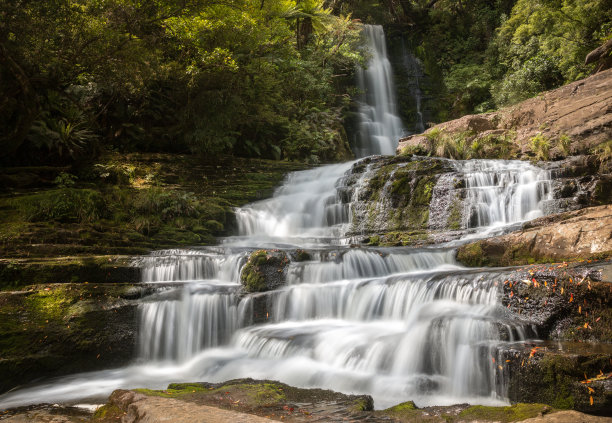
{"x":261,"y":78}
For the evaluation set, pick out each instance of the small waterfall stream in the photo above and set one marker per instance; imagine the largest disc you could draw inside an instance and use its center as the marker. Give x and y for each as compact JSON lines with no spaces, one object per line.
{"x":399,"y":323}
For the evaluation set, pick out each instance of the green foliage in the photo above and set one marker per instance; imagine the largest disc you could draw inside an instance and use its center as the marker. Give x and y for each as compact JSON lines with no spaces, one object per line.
{"x":249,"y":77}
{"x":481,"y":55}
{"x":603,"y":151}
{"x":537,"y":74}
{"x":564,"y":142}
{"x":65,"y":180}
{"x":540,"y":145}
{"x":154,"y":207}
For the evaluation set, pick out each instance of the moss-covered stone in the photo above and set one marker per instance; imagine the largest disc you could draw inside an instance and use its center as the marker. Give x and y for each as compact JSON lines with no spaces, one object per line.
{"x":263,"y":397}
{"x":94,"y":269}
{"x":107,"y":413}
{"x":264,"y":270}
{"x":472,"y":255}
{"x":408,"y":405}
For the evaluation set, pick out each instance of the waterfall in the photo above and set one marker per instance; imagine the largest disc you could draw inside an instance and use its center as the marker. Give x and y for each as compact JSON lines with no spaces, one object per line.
{"x":500,"y":192}
{"x":396,"y":323}
{"x":380,"y":128}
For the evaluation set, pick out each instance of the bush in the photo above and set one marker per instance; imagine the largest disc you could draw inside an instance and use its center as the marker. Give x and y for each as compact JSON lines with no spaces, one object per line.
{"x":540,"y":145}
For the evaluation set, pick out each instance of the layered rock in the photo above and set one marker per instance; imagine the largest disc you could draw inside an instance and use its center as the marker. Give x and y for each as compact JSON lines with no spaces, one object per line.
{"x":576,"y":235}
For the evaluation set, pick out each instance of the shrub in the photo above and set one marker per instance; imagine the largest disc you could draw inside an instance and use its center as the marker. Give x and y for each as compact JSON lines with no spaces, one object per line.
{"x":540,"y":145}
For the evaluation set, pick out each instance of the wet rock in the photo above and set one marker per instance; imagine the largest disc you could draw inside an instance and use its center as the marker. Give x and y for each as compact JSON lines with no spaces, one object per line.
{"x":265,"y":270}
{"x":582,"y":234}
{"x":562,"y":302}
{"x":563,"y":375}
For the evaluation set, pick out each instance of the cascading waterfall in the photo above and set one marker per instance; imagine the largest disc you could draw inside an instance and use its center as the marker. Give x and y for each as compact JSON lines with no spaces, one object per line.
{"x":398,"y":324}
{"x":501,"y":192}
{"x":380,"y":127}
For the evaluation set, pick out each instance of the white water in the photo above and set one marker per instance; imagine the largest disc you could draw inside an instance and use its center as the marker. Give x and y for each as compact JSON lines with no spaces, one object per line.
{"x":380,"y":127}
{"x":501,"y":192}
{"x":399,"y":324}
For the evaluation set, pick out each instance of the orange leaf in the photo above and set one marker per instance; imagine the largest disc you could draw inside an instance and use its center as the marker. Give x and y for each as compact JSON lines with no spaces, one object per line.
{"x":591,"y":400}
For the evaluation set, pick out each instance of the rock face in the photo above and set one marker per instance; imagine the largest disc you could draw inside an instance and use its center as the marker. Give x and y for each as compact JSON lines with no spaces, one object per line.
{"x":569,"y":120}
{"x":92,"y":269}
{"x":59,"y":329}
{"x":411,"y":200}
{"x":568,"y":306}
{"x":581,"y":234}
{"x":274,"y":401}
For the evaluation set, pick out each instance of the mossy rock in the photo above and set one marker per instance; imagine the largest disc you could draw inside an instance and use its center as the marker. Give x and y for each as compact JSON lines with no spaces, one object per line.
{"x":264,"y":396}
{"x":59,"y":329}
{"x":264,"y":270}
{"x":472,"y":255}
{"x":513,"y":413}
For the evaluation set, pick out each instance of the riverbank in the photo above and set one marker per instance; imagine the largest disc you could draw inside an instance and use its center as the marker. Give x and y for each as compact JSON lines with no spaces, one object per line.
{"x":248,"y":400}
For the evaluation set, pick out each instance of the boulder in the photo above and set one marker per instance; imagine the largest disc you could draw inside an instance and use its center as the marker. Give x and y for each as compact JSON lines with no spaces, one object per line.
{"x":265,"y":270}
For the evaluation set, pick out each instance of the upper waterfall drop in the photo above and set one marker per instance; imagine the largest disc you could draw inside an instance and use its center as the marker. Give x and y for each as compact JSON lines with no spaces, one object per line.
{"x":380,"y":127}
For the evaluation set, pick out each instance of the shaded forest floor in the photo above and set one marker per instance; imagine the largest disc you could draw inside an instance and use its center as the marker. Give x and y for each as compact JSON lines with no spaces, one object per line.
{"x":128,"y":204}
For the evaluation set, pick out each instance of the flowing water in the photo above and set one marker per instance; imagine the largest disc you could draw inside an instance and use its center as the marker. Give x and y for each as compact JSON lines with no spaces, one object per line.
{"x":380,"y":127}
{"x":396,"y":323}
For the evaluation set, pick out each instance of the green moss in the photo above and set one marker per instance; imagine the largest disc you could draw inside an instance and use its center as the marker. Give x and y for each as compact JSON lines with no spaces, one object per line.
{"x":107,"y":411}
{"x":557,"y":377}
{"x":52,"y":303}
{"x":251,"y":275}
{"x":135,"y":202}
{"x":513,"y":413}
{"x":408,"y":405}
{"x":374,"y":240}
{"x":455,"y":215}
{"x":407,"y":412}
{"x":472,"y":255}
{"x":302,"y":255}
{"x":362,"y":404}
{"x":257,"y":394}
{"x":403,"y":238}
{"x":175,"y":390}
